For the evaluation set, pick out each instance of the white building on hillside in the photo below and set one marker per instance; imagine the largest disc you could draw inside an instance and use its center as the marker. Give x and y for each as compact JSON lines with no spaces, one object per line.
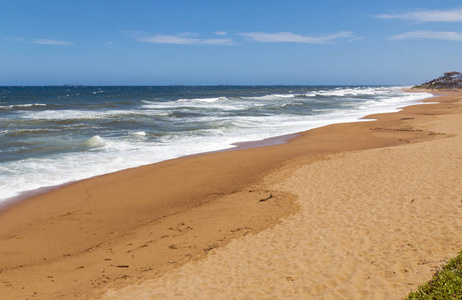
{"x":453,"y":75}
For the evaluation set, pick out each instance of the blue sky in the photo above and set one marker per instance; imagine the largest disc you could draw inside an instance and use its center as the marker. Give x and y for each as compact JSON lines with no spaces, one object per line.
{"x":250,"y":42}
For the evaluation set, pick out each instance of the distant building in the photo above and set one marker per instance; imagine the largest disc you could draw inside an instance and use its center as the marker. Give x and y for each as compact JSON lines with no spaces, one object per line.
{"x":452,"y":74}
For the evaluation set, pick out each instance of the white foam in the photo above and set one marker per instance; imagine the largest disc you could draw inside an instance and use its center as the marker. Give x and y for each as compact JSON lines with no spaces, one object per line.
{"x":76,"y":114}
{"x":139,"y":133}
{"x":271,"y":97}
{"x":357,"y":91}
{"x":29,"y":105}
{"x":223,"y":104}
{"x":207,"y":100}
{"x":21,"y":105}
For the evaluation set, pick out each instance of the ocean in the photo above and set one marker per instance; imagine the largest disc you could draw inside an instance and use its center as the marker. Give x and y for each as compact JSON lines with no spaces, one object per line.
{"x":55,"y":135}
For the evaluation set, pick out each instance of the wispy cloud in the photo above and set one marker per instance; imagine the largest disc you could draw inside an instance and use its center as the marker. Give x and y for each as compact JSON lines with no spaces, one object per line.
{"x":454,"y":15}
{"x":50,"y":42}
{"x":435,"y":35}
{"x":289,"y":37}
{"x":44,"y":41}
{"x":187,"y":38}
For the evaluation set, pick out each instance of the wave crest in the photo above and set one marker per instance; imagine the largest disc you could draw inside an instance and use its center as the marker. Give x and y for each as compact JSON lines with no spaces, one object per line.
{"x":94,"y":142}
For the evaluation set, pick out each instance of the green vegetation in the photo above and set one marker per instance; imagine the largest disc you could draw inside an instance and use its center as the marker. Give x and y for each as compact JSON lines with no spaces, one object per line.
{"x":445,"y":284}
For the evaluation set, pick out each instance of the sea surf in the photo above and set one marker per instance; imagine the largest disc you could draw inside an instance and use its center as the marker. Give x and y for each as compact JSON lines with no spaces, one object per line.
{"x":55,"y":135}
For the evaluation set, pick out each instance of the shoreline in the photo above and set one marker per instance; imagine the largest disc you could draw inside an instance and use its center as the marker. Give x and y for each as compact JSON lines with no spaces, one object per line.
{"x":192,"y":186}
{"x":271,"y":141}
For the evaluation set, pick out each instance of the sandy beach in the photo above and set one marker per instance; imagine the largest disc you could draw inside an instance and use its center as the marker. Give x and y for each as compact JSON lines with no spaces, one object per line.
{"x":365,"y":210}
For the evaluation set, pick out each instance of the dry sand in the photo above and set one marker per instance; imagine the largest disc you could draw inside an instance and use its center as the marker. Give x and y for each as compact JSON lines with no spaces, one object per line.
{"x":369,"y":210}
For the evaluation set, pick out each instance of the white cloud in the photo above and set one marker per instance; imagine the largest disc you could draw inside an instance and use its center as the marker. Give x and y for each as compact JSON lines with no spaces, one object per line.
{"x":454,"y":15}
{"x":187,"y":38}
{"x":216,"y":41}
{"x":50,"y":42}
{"x":167,"y":39}
{"x":289,"y":37}
{"x":43,"y":41}
{"x":436,"y":35}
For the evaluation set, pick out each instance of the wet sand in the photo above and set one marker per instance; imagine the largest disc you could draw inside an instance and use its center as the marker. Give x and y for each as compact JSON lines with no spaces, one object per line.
{"x":356,"y":210}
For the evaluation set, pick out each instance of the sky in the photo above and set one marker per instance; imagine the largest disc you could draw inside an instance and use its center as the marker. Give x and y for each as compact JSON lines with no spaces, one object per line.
{"x":251,"y":42}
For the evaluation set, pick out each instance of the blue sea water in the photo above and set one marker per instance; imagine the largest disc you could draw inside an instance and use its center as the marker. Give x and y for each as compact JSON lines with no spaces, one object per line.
{"x":54,"y":135}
